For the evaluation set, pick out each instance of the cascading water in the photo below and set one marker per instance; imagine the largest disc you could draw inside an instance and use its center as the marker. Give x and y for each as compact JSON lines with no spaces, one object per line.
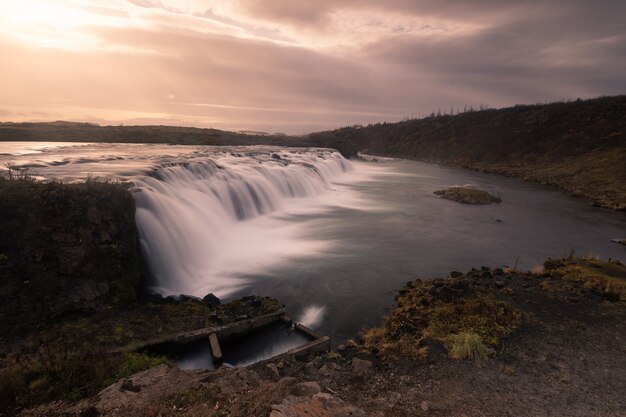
{"x":199,"y":222}
{"x":207,"y":216}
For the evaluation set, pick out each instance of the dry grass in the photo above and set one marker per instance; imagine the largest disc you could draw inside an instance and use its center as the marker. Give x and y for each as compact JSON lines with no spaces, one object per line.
{"x":609,"y":276}
{"x":450,"y":308}
{"x":466,"y":345}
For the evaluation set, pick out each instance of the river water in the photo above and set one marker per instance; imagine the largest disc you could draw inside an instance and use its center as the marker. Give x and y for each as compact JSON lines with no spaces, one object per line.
{"x":330,"y":238}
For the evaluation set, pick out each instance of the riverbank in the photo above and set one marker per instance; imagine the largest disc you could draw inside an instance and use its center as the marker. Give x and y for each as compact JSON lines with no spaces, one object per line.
{"x":524,"y":333}
{"x":578,"y":146}
{"x":559,"y":350}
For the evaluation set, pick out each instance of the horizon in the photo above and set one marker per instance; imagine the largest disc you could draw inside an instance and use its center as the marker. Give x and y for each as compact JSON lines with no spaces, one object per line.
{"x":251,"y":132}
{"x":298,"y":68}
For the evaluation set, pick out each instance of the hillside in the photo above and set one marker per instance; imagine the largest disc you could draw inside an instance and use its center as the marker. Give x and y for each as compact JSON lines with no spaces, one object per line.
{"x":579,"y":146}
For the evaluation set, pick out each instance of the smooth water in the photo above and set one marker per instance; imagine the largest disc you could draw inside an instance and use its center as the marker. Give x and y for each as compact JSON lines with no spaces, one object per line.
{"x":331,"y":239}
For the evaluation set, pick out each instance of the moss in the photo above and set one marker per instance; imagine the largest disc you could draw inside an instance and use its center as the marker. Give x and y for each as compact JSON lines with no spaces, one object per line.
{"x":608,"y":276}
{"x":438,"y":309}
{"x":137,"y":362}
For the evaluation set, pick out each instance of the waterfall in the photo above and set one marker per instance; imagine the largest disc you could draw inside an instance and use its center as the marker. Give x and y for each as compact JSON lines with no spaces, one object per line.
{"x":201,"y":218}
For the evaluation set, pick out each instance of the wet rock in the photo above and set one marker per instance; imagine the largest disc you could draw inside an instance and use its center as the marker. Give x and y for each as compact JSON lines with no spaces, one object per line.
{"x":305,"y":389}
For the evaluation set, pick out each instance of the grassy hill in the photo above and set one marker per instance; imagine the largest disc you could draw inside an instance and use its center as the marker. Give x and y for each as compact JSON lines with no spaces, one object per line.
{"x":579,"y":146}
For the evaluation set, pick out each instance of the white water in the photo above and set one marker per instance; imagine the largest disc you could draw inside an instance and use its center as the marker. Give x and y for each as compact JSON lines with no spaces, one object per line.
{"x":203,"y":225}
{"x":209,"y":216}
{"x":312,"y":316}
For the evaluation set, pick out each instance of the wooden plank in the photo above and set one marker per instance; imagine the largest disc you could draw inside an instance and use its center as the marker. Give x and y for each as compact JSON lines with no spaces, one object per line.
{"x":216,"y":351}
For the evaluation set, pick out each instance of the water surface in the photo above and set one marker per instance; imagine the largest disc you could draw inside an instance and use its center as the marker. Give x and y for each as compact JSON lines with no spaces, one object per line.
{"x":331,"y":239}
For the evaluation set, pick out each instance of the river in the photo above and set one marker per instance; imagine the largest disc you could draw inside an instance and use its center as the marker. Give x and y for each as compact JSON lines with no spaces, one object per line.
{"x":332,"y":239}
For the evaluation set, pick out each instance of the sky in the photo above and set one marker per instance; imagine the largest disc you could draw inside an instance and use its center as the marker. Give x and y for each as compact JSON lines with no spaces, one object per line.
{"x":300,"y":66}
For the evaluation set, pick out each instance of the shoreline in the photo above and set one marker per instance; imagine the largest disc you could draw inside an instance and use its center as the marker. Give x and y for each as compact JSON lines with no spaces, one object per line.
{"x":565,"y":340}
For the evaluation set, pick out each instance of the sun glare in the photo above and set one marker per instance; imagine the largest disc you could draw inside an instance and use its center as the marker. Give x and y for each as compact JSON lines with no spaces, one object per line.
{"x":50,"y":23}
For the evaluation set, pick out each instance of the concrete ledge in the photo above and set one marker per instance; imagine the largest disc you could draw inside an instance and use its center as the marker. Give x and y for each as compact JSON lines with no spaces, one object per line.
{"x":217,"y":335}
{"x":225,"y":331}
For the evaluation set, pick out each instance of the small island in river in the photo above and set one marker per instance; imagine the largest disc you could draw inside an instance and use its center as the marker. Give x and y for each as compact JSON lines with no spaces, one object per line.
{"x":468,"y":195}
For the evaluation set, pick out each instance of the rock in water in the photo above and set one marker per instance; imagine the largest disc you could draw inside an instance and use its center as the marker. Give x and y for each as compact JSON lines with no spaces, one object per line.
{"x":468,"y":195}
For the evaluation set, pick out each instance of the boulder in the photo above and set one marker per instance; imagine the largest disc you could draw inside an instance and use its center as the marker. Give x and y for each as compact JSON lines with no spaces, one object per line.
{"x":305,"y":389}
{"x":211,"y":300}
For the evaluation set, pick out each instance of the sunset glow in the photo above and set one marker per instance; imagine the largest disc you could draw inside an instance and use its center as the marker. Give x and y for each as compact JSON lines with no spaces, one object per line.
{"x":295,"y":66}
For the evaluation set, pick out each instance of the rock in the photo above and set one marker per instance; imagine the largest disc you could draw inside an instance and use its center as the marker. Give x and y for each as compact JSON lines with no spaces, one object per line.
{"x":320,"y":404}
{"x":425,"y":406}
{"x":103,"y":287}
{"x":468,"y":195}
{"x":325,"y":371}
{"x":499,"y":284}
{"x":70,"y":258}
{"x":456,"y":274}
{"x":211,"y":300}
{"x":498,"y":271}
{"x":274,"y":370}
{"x":305,"y":389}
{"x":360,"y":365}
{"x":155,"y":298}
{"x":287,"y":381}
{"x":611,"y":296}
{"x":185,"y":297}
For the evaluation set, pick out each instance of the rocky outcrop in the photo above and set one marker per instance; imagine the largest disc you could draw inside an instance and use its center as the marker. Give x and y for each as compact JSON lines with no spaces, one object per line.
{"x":64,"y":248}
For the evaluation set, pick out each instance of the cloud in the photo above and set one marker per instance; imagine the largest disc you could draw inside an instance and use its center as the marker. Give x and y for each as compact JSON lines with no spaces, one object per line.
{"x":302,"y":66}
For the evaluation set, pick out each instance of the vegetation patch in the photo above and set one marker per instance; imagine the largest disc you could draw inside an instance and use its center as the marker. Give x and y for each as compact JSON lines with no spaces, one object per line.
{"x":443,"y":310}
{"x":75,"y":356}
{"x":468,"y":195}
{"x":609,"y":277}
{"x":466,"y":345}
